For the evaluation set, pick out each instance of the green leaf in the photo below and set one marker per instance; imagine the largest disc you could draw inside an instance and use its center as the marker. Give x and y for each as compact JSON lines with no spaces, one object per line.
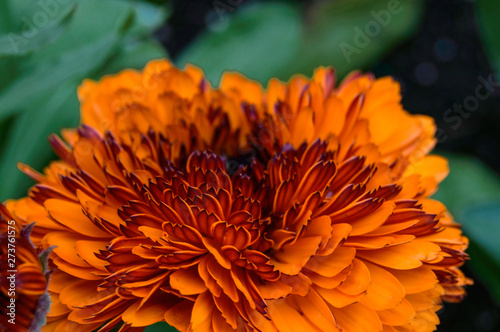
{"x":18,"y":43}
{"x":147,"y":17}
{"x":273,"y":40}
{"x":103,"y":37}
{"x":6,"y":23}
{"x":78,"y":54}
{"x":481,"y":223}
{"x":489,"y":25}
{"x":134,"y":55}
{"x":259,"y":41}
{"x":28,"y":141}
{"x":160,"y":327}
{"x":353,"y":35}
{"x":470,"y":182}
{"x":72,"y":65}
{"x":8,"y":66}
{"x":28,"y":18}
{"x":93,"y":21}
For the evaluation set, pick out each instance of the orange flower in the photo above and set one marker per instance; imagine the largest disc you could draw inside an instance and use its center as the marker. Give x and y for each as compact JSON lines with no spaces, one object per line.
{"x":179,"y":104}
{"x":302,"y":207}
{"x":23,"y":285}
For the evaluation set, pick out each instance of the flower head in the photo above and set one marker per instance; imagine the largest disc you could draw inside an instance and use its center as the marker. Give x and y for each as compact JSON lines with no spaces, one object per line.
{"x":24,"y":299}
{"x":305,"y":206}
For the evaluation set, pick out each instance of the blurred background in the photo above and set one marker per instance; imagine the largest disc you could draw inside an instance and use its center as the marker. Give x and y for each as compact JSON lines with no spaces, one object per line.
{"x":444,"y":53}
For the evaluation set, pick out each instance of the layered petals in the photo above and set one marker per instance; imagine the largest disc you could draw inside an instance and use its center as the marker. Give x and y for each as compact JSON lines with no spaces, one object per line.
{"x":300,"y":207}
{"x":24,"y":277}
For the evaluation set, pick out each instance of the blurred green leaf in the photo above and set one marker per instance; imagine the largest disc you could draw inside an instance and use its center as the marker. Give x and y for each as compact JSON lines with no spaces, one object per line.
{"x":160,"y":327}
{"x":353,"y":35}
{"x":6,"y":23}
{"x":147,"y":17}
{"x":18,"y":43}
{"x":103,"y":37}
{"x":489,"y":25}
{"x":259,"y":41}
{"x":22,"y":146}
{"x":82,"y":50}
{"x":472,"y":194}
{"x":8,"y":66}
{"x":134,"y":55}
{"x":93,"y":21}
{"x":8,"y":70}
{"x":265,"y":40}
{"x":481,"y":223}
{"x":72,"y":65}
{"x":470,"y":182}
{"x":28,"y":17}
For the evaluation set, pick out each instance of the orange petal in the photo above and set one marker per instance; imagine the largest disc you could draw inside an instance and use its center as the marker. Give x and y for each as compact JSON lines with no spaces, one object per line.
{"x":333,"y":119}
{"x":227,"y":309}
{"x":75,"y":270}
{"x":202,"y":312}
{"x":358,"y":280}
{"x":329,"y":266}
{"x":300,"y":283}
{"x":425,"y":300}
{"x":70,"y":215}
{"x":66,"y":325}
{"x":87,"y":250}
{"x":219,"y":324}
{"x":401,"y":314}
{"x":59,"y":280}
{"x":292,"y":257}
{"x":214,"y":249}
{"x":288,"y":318}
{"x":57,"y":309}
{"x":223,"y":279}
{"x":79,"y":293}
{"x":274,"y":289}
{"x":402,"y":257}
{"x":372,"y":220}
{"x":316,"y":310}
{"x":151,"y":312}
{"x":303,"y":127}
{"x":179,"y":315}
{"x":384,"y":292}
{"x":329,"y":282}
{"x":65,"y":247}
{"x":416,"y":280}
{"x":187,"y":281}
{"x":430,"y":166}
{"x":337,"y":298}
{"x":339,"y":233}
{"x":357,"y":318}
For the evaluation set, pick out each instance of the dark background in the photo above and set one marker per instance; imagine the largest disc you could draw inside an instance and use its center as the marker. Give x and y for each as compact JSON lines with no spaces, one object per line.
{"x":438,"y":67}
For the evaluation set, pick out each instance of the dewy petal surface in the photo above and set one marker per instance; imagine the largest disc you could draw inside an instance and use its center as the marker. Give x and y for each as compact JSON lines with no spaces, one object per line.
{"x":302,"y":206}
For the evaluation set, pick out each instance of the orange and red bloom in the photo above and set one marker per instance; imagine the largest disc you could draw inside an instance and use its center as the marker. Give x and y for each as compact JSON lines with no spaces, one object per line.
{"x":302,"y":207}
{"x":23,"y":287}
